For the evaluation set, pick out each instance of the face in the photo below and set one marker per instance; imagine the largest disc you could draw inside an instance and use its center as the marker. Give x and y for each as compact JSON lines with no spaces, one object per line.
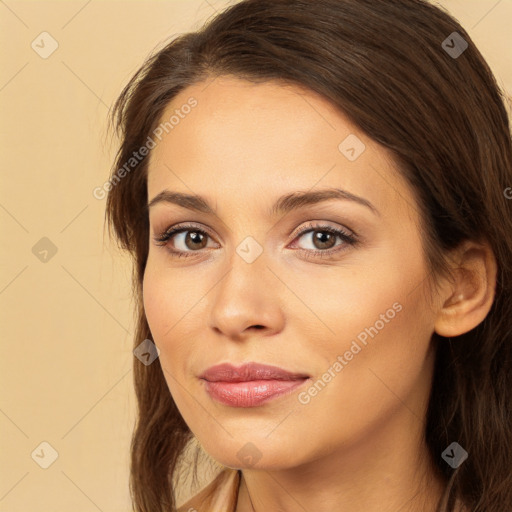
{"x":330,"y":287}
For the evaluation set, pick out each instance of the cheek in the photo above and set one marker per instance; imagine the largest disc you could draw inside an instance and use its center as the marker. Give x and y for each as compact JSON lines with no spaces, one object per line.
{"x":163,"y":313}
{"x":154,"y":302}
{"x":161,"y":310}
{"x":378,"y":356}
{"x":161,"y":301}
{"x":379,"y":324}
{"x":172,"y":309}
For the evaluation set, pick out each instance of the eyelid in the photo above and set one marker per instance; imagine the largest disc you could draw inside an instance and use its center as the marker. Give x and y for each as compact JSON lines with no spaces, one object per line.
{"x":349,"y":237}
{"x":319,"y":225}
{"x":174,"y":229}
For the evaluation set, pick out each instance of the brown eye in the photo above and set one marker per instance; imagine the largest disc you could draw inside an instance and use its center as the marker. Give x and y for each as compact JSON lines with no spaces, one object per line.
{"x":186,"y":240}
{"x":195,"y":240}
{"x":323,"y":239}
{"x":183,"y":239}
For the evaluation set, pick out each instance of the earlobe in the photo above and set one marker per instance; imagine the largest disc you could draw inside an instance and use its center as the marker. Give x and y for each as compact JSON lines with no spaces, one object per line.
{"x":469,"y":298}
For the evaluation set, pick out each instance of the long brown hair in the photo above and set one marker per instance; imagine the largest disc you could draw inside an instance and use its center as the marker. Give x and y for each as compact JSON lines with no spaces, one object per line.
{"x":396,"y":69}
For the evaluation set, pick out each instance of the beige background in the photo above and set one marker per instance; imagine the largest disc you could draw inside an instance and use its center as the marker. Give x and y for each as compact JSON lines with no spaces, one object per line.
{"x":66,"y":323}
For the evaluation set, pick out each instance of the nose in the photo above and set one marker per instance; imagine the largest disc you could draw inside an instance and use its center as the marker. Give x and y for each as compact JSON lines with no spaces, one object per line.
{"x":247,"y":300}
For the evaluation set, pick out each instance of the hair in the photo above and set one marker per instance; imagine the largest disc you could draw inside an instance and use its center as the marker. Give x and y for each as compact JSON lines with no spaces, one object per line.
{"x":383,"y":64}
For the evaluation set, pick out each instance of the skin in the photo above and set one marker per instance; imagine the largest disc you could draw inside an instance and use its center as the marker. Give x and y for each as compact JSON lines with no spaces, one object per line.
{"x":358,"y":444}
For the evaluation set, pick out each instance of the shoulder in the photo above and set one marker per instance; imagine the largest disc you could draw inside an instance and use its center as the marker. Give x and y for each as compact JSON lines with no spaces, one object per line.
{"x":220,"y":495}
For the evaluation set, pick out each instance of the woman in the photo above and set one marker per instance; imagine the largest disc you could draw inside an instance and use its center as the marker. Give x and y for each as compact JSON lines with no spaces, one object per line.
{"x":315,"y":198}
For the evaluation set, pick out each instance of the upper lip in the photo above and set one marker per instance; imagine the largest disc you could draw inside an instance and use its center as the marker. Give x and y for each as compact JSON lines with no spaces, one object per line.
{"x":250,"y":371}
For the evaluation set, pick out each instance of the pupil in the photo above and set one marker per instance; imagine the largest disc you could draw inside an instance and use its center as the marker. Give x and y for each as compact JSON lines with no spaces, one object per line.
{"x":196,"y":238}
{"x":324,"y":238}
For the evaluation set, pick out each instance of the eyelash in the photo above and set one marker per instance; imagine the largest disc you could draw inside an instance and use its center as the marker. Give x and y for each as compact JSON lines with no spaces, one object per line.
{"x":348,"y":239}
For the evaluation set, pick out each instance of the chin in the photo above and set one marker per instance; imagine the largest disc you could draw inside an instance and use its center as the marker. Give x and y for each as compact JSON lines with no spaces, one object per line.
{"x":255,"y":455}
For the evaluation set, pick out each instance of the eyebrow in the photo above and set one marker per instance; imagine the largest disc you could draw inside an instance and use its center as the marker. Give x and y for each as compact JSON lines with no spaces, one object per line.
{"x":284,"y":204}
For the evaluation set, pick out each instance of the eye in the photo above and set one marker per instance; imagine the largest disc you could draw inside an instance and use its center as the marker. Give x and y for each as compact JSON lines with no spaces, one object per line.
{"x":188,"y":239}
{"x":321,"y":240}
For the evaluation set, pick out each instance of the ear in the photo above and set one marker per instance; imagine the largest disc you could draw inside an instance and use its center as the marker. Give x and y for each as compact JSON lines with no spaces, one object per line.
{"x":468,"y":299}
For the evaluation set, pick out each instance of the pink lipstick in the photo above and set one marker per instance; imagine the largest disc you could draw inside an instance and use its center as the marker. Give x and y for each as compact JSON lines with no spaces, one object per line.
{"x":249,"y":385}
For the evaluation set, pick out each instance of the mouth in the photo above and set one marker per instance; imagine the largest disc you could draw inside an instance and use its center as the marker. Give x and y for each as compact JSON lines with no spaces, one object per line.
{"x":251,"y":384}
{"x":248,"y":372}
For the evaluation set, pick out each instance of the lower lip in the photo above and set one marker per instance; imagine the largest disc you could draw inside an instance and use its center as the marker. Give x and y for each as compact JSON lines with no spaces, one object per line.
{"x":250,"y":393}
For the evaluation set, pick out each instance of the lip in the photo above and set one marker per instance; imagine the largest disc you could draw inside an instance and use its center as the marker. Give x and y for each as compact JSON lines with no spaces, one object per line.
{"x":250,"y":371}
{"x":251,"y":384}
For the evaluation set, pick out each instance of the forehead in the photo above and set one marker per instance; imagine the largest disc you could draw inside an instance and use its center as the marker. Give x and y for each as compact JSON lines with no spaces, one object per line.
{"x":254,"y":141}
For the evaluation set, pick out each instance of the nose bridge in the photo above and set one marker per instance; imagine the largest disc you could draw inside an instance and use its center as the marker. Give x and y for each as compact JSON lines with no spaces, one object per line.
{"x":244,"y":282}
{"x":247,"y":261}
{"x":244,"y":297}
